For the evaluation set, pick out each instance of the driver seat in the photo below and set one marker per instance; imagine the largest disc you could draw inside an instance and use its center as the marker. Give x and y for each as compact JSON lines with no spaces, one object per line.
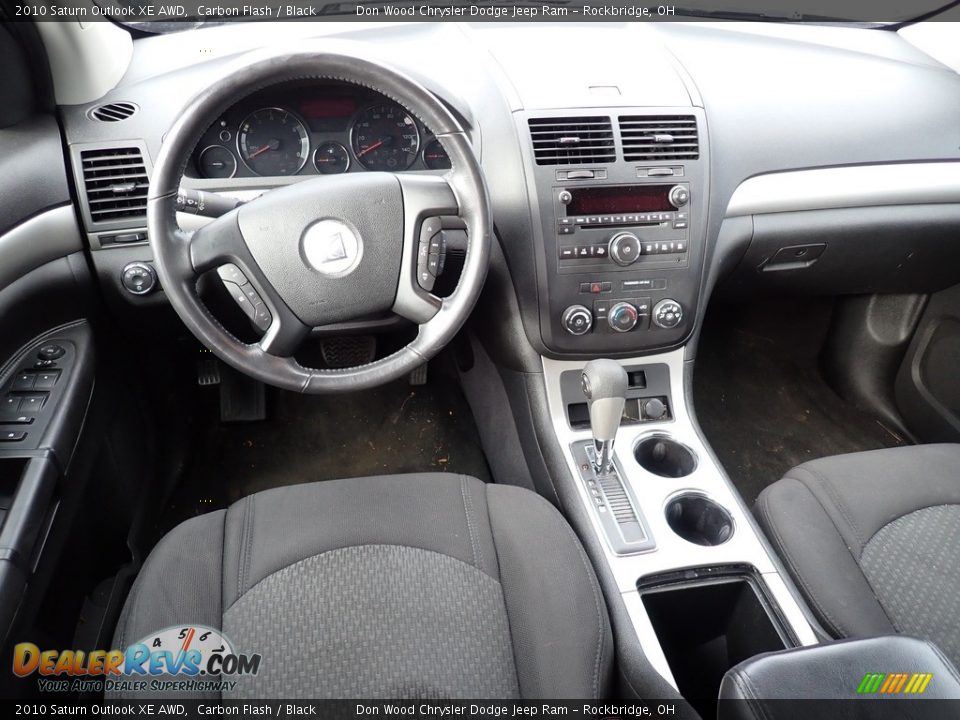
{"x":408,"y":586}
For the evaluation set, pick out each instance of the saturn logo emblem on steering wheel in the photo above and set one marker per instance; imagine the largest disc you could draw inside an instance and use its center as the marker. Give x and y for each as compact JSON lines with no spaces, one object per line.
{"x":332,"y":248}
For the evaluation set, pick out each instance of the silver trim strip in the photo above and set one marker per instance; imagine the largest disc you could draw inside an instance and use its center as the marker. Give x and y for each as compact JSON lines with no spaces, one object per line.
{"x":843,"y":187}
{"x":46,"y":237}
{"x":652,"y":492}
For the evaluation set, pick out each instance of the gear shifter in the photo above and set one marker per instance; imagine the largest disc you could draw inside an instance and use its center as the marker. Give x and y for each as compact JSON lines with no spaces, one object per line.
{"x":605,"y":385}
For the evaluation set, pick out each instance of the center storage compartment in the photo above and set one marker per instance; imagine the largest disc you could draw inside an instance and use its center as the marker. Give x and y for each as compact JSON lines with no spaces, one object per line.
{"x":706,"y":627}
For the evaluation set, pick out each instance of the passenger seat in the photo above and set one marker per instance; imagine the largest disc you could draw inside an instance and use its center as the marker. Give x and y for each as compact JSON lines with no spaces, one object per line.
{"x":872,"y":540}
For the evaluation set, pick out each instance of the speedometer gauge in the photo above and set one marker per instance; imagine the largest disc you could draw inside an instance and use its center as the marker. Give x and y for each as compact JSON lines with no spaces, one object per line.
{"x":385,"y":137}
{"x":272,"y":141}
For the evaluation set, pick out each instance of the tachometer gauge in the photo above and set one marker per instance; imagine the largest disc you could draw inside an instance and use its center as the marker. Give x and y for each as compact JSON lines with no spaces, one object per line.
{"x":273,"y":142}
{"x":331,"y":158}
{"x":435,"y":157}
{"x":385,"y":137}
{"x":217,"y":162}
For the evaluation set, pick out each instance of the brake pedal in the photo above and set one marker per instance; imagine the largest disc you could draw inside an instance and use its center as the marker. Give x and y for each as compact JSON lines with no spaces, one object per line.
{"x":242,"y":399}
{"x":418,"y":376}
{"x":208,"y":370}
{"x":348,"y":350}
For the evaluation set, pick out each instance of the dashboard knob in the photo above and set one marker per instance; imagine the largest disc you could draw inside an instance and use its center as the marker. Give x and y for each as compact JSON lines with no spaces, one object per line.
{"x":138,"y":278}
{"x":679,"y":196}
{"x":654,"y":409}
{"x":577,"y":320}
{"x":622,"y":317}
{"x":667,"y":314}
{"x":565,"y":197}
{"x":625,"y":248}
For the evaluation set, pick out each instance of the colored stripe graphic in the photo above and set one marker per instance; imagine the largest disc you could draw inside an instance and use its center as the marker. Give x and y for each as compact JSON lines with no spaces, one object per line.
{"x":894,"y":683}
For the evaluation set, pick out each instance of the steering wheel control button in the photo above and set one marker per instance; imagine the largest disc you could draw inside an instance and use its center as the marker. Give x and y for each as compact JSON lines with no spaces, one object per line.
{"x":138,"y":278}
{"x":51,"y":352}
{"x":431,"y":253}
{"x":679,"y":196}
{"x":625,"y":248}
{"x":623,"y":317}
{"x":332,"y":248}
{"x":231,"y":273}
{"x":577,"y":320}
{"x":667,"y":314}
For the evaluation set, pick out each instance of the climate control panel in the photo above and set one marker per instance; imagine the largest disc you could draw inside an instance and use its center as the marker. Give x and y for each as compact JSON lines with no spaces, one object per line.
{"x":622,"y":316}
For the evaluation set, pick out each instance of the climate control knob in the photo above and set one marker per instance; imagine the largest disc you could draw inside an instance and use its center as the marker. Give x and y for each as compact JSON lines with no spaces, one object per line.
{"x":622,"y":317}
{"x":577,"y":320}
{"x":667,"y":314}
{"x":625,"y":248}
{"x":679,"y":196}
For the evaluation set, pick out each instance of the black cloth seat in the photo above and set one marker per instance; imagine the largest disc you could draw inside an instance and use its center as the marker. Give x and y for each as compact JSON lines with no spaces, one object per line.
{"x":409,"y":586}
{"x":872,"y":540}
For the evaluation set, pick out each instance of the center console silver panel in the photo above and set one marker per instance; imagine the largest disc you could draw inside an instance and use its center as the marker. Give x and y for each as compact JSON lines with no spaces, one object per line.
{"x":652,"y":494}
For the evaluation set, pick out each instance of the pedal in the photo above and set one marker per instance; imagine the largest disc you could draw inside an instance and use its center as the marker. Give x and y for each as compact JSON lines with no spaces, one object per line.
{"x":418,"y":376}
{"x":242,"y":399}
{"x":348,"y":350}
{"x":208,"y":370}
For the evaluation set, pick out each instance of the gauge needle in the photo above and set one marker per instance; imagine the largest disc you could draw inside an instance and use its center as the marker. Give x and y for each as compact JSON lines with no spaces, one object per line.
{"x":272,"y":145}
{"x":370,"y":148}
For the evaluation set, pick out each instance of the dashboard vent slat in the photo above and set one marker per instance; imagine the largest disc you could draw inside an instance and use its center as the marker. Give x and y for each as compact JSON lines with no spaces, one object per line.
{"x":659,"y":137}
{"x":116,"y":183}
{"x":113,"y":112}
{"x":572,"y":140}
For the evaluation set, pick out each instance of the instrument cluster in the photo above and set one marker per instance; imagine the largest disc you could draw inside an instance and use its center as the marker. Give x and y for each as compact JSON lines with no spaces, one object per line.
{"x":315,"y":129}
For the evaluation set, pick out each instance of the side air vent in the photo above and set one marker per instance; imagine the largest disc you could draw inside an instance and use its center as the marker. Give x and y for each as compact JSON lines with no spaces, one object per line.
{"x":113,"y":112}
{"x":659,"y":137}
{"x":115,"y":180}
{"x":572,"y":141}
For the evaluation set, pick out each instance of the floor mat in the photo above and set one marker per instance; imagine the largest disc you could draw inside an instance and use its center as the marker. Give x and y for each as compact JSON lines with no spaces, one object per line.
{"x":397,"y":428}
{"x":761,"y":401}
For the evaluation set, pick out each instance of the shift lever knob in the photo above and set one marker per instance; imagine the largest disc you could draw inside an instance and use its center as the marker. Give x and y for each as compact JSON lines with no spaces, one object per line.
{"x":605,"y":385}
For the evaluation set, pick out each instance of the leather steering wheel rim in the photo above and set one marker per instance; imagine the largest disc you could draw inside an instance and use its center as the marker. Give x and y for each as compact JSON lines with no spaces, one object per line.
{"x":461,"y":191}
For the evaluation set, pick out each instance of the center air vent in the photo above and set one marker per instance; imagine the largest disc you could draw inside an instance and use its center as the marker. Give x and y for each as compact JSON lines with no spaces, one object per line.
{"x":115,"y":180}
{"x":572,"y":141}
{"x":659,"y":137}
{"x":113,"y":112}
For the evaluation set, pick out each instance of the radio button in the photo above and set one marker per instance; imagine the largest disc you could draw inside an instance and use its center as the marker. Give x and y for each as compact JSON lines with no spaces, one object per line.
{"x":599,"y":250}
{"x":681,"y":247}
{"x":625,"y":248}
{"x":680,"y":224}
{"x":565,"y":221}
{"x":679,"y":196}
{"x":650,"y":248}
{"x":565,"y":230}
{"x":567,"y":253}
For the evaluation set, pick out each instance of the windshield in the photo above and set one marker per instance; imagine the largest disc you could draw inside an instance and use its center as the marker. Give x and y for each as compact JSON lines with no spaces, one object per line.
{"x":196,"y":14}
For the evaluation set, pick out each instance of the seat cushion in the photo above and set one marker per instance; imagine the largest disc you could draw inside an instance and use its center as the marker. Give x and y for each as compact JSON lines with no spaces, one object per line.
{"x":872,"y":539}
{"x":430,"y":585}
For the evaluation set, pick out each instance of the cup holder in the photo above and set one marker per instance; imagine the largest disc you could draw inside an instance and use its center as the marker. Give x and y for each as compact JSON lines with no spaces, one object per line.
{"x":665,"y":457}
{"x":699,"y":520}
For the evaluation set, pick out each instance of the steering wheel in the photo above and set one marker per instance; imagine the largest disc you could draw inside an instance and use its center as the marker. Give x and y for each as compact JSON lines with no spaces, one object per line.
{"x":328,"y":249}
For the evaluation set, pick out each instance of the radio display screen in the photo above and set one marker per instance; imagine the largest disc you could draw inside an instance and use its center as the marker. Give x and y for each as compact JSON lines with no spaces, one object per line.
{"x":619,"y":199}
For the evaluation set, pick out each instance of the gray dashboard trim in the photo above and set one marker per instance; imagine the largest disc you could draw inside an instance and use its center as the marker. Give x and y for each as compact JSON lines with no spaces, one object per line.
{"x":844,"y":187}
{"x":41,"y":239}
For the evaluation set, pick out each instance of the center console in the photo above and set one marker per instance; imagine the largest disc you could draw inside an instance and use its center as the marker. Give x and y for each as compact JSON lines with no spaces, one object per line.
{"x":700,"y":585}
{"x":621,"y":199}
